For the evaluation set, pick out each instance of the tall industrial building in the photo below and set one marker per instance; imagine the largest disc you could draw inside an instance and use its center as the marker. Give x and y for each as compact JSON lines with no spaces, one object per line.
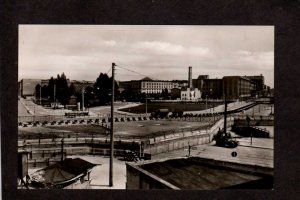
{"x":212,"y":88}
{"x":199,"y":82}
{"x":259,"y":82}
{"x":237,"y":87}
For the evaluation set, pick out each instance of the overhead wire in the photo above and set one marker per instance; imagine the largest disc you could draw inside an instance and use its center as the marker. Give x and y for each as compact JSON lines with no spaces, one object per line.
{"x":134,"y":72}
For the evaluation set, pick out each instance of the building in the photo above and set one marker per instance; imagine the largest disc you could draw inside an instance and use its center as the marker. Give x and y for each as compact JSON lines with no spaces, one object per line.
{"x":67,"y":174}
{"x":197,"y":174}
{"x":237,"y":87}
{"x":199,"y":82}
{"x":212,"y":88}
{"x":190,"y":94}
{"x":259,"y":82}
{"x":180,"y":84}
{"x":150,"y":86}
{"x":81,"y":85}
{"x":27,"y":87}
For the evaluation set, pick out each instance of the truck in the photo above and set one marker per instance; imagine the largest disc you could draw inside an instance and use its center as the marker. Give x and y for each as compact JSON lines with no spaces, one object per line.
{"x":225,"y":140}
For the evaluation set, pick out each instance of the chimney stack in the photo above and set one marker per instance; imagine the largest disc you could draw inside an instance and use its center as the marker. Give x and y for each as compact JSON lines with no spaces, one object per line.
{"x":190,"y":81}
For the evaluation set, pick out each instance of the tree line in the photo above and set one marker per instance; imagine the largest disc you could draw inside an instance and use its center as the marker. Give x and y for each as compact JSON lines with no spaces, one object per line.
{"x":58,"y":90}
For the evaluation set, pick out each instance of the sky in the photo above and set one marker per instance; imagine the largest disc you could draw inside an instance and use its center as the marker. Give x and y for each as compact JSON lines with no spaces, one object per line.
{"x":162,"y":52}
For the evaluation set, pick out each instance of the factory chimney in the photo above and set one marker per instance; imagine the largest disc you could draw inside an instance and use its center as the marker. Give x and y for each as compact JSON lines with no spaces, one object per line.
{"x":190,"y":81}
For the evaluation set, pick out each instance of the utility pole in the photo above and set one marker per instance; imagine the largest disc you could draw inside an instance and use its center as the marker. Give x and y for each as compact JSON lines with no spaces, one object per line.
{"x":225,"y":116}
{"x":112,"y":127}
{"x":62,"y":149}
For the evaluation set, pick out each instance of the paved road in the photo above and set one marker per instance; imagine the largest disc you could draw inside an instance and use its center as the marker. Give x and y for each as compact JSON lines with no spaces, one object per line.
{"x":261,"y":152}
{"x":262,"y":109}
{"x":22,"y":111}
{"x":26,"y":107}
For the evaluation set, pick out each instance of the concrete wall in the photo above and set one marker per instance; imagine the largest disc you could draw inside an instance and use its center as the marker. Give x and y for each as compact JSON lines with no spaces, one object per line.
{"x":179,"y":140}
{"x":178,"y":143}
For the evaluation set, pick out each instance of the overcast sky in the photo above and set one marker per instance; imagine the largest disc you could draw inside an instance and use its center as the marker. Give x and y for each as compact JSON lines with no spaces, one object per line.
{"x":160,"y":52}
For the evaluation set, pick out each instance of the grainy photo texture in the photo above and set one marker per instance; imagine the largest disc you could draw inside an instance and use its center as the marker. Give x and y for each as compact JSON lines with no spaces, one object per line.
{"x":145,"y":107}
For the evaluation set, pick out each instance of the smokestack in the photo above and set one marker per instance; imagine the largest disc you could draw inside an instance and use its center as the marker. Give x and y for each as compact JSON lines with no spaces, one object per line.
{"x":190,"y":81}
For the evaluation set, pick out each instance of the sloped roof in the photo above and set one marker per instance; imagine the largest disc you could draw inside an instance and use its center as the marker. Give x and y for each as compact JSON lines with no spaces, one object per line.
{"x":63,"y":171}
{"x":146,"y":79}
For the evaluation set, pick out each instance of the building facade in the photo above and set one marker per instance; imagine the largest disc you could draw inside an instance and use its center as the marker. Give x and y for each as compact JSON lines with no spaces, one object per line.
{"x":81,"y":85}
{"x":259,"y":84}
{"x":199,"y":82}
{"x":27,"y":87}
{"x":212,"y":88}
{"x":237,"y":87}
{"x":190,"y":94}
{"x":149,"y":86}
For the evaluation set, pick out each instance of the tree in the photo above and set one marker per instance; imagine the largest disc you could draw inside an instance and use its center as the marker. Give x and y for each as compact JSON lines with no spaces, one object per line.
{"x":165,"y":93}
{"x":50,"y":89}
{"x":58,"y":89}
{"x":103,"y":89}
{"x":62,"y":90}
{"x":45,"y":91}
{"x":72,"y":89}
{"x":37,"y":91}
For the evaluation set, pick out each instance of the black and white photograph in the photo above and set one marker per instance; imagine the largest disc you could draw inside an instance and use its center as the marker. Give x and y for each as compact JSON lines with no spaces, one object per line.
{"x":142,"y":107}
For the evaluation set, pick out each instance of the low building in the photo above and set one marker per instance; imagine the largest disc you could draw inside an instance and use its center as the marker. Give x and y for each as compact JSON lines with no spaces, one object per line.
{"x":190,"y":94}
{"x":197,"y":174}
{"x":68,"y":174}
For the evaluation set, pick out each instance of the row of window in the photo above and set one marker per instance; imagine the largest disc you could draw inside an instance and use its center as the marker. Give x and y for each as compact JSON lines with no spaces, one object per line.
{"x":152,"y":91}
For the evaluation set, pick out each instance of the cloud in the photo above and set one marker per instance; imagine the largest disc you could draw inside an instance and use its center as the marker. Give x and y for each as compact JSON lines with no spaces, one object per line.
{"x":199,"y":51}
{"x":110,"y":43}
{"x":243,"y":53}
{"x":165,"y":48}
{"x":157,"y":47}
{"x":162,"y":51}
